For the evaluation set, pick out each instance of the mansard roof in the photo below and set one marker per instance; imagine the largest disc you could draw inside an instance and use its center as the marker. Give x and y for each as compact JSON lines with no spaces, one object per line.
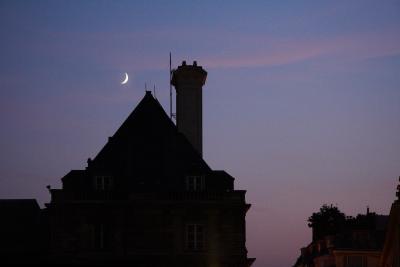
{"x":148,"y":142}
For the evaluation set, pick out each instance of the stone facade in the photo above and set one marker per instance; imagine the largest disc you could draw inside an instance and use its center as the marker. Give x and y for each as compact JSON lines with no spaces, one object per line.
{"x":148,"y":199}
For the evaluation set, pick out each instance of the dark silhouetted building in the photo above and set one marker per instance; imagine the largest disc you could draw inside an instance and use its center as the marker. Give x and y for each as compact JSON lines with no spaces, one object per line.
{"x":21,"y":237}
{"x":341,"y":241}
{"x":147,"y":199}
{"x":391,"y":250}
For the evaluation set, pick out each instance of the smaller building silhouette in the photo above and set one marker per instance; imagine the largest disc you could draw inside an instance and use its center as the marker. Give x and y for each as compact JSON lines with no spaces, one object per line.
{"x":391,"y":249}
{"x":368,"y":240}
{"x":21,"y":232}
{"x":343,"y":241}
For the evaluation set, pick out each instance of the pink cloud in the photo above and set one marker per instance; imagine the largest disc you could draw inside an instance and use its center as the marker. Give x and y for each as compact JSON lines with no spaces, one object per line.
{"x":351,"y":47}
{"x":216,"y":49}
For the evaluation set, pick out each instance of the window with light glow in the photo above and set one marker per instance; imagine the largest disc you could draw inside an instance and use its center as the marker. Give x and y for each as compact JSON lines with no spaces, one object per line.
{"x":103,"y":183}
{"x":355,"y":261}
{"x":195,"y":183}
{"x":195,"y":237}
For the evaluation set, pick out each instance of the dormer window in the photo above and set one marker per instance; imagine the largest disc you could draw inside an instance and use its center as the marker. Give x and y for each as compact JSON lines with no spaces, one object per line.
{"x":103,"y":183}
{"x":195,"y":183}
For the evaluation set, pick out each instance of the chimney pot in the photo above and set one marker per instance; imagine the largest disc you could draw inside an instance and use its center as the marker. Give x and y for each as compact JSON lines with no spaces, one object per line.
{"x":184,"y":63}
{"x":195,"y":63}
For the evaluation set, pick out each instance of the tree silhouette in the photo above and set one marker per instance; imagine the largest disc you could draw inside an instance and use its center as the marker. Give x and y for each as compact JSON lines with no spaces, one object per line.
{"x":328,"y":221}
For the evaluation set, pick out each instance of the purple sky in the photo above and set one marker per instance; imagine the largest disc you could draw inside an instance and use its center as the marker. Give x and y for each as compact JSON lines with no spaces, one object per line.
{"x":301,"y":104}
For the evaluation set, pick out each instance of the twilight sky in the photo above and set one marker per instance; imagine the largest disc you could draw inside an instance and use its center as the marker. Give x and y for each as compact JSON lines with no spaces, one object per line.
{"x":301,"y":104}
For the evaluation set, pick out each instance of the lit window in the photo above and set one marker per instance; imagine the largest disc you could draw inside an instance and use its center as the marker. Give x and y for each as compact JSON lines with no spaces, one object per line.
{"x":195,"y":236}
{"x":103,"y":183}
{"x":99,"y":236}
{"x":355,"y":261}
{"x":194,"y":183}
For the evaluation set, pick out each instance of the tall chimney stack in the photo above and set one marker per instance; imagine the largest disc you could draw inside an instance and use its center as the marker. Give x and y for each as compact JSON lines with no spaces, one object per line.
{"x":188,"y":81}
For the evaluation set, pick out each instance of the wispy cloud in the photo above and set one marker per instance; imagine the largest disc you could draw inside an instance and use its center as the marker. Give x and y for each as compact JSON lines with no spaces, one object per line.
{"x":216,"y":48}
{"x":282,"y":52}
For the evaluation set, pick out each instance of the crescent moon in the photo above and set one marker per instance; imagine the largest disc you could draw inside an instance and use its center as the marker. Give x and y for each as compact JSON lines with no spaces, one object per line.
{"x":126,"y":79}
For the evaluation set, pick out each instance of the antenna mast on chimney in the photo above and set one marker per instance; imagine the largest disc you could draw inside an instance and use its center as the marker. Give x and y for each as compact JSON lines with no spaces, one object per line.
{"x":170,"y":86}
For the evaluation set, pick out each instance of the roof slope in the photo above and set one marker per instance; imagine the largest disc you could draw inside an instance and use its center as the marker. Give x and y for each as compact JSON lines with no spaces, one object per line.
{"x":148,"y":144}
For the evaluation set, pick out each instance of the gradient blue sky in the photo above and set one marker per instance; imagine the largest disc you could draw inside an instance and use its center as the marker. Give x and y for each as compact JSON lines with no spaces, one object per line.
{"x":301,"y":105}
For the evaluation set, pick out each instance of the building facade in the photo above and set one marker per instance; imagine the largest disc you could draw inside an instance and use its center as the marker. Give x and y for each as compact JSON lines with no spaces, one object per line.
{"x":391,"y":250}
{"x":148,"y":198}
{"x":21,"y":232}
{"x":342,"y":241}
{"x":369,"y":240}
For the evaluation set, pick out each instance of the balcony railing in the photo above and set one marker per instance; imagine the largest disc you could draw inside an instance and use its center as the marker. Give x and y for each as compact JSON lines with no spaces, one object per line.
{"x":60,"y":196}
